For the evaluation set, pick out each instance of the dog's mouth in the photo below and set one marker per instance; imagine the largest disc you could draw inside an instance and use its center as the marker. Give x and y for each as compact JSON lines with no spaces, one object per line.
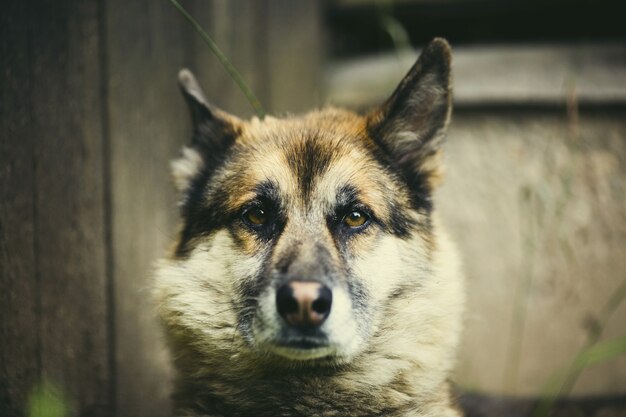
{"x":304,"y":344}
{"x":298,"y":346}
{"x":303,"y":349}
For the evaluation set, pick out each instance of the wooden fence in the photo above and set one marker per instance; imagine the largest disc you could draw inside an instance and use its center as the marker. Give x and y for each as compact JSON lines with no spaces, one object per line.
{"x":90,"y":117}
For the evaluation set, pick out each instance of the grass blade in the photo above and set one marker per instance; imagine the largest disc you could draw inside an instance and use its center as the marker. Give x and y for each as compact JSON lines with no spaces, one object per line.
{"x":228,"y":66}
{"x":598,"y":353}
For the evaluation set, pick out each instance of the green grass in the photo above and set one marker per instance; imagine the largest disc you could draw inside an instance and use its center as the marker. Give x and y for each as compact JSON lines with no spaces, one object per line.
{"x":556,"y":386}
{"x":47,"y":400}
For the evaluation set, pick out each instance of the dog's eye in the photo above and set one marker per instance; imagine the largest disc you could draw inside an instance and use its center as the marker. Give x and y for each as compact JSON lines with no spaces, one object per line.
{"x":256,"y":216}
{"x":355,"y":218}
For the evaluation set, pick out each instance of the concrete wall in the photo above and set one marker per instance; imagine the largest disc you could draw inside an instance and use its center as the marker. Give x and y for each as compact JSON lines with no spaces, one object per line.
{"x":537,"y":203}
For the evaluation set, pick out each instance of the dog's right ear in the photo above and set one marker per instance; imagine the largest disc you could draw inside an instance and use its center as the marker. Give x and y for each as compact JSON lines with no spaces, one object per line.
{"x":214,"y":131}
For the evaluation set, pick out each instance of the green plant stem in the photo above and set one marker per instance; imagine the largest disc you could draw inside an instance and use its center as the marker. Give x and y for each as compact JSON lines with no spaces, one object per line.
{"x":522,"y":292}
{"x":616,"y":299}
{"x":396,"y":31}
{"x":228,"y":66}
{"x":593,"y":352}
{"x":599,"y":353}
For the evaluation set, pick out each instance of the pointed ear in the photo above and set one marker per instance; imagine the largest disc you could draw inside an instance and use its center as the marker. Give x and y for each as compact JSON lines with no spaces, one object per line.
{"x":214,"y":131}
{"x":212,"y":126}
{"x":411,"y":124}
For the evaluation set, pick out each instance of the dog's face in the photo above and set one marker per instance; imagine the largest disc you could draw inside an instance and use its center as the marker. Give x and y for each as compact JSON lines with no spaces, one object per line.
{"x":301,"y":234}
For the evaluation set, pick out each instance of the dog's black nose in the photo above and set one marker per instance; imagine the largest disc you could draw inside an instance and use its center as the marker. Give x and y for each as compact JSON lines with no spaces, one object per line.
{"x":304,"y":304}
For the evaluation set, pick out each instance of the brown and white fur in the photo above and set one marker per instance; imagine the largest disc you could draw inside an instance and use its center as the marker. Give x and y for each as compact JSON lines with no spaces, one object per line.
{"x":267,"y":203}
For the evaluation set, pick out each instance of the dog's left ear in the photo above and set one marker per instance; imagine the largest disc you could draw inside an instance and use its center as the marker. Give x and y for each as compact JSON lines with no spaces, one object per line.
{"x":411,"y":124}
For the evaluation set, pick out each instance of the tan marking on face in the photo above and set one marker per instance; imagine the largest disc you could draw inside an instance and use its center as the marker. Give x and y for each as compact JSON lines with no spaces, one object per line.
{"x":262,"y":157}
{"x":258,"y":168}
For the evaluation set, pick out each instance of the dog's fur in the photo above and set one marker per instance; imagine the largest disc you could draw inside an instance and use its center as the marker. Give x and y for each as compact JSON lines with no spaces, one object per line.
{"x":389,"y":342}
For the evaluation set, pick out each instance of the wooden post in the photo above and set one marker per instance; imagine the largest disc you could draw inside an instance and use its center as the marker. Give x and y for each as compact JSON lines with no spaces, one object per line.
{"x":19,"y":289}
{"x":54,"y":273}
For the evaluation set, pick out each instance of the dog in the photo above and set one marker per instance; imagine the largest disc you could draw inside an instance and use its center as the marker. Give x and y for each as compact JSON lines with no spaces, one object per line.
{"x":311,"y":275}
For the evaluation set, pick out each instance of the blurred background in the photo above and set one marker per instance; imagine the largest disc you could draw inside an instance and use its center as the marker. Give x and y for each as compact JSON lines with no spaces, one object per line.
{"x":90,"y":116}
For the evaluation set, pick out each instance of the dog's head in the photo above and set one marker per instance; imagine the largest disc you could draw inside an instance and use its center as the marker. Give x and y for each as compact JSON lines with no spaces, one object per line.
{"x":303,"y":236}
